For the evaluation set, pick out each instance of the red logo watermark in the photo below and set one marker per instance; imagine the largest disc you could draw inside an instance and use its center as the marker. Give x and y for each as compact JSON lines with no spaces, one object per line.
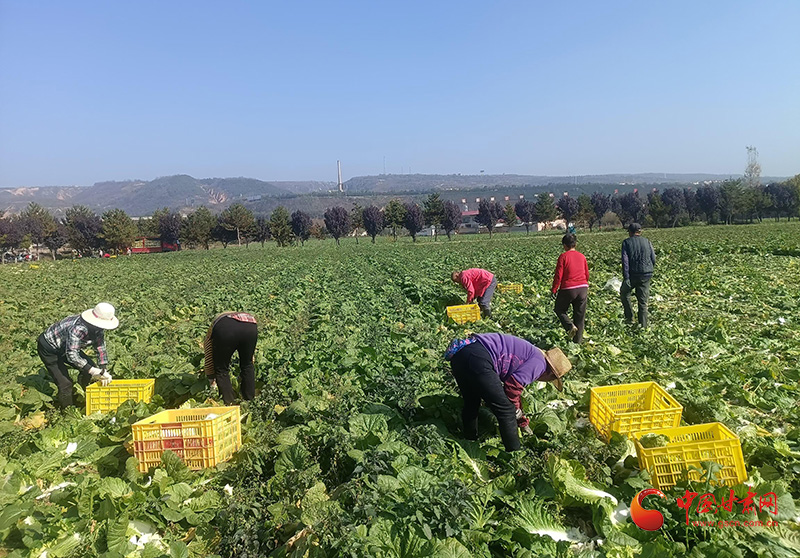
{"x":649,"y":520}
{"x":652,"y":520}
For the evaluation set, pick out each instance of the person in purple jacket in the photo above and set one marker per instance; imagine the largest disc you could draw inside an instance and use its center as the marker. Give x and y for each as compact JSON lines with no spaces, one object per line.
{"x":495,"y":368}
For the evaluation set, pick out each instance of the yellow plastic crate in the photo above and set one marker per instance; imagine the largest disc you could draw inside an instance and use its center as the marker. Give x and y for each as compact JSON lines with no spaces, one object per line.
{"x":201,"y":437}
{"x":107,"y":399}
{"x":688,"y":446}
{"x":510,"y":288}
{"x":464,"y":313}
{"x":627,"y":408}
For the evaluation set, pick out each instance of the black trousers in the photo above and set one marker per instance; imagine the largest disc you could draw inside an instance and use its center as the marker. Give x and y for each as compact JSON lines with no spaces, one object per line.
{"x":56,"y":364}
{"x":640,"y":285}
{"x":577,"y":299}
{"x":227,"y":337}
{"x":477,"y":380}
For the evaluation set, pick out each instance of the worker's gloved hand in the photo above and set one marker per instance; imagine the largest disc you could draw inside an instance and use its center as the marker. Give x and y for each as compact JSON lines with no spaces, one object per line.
{"x":105,"y":378}
{"x":212,"y":383}
{"x":553,"y":296}
{"x":95,"y":373}
{"x":627,"y":283}
{"x":527,"y":430}
{"x":519,"y":414}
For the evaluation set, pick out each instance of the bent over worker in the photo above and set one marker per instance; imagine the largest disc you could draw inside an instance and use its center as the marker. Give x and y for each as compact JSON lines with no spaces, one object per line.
{"x":480,"y":285}
{"x":232,"y":332}
{"x":62,"y":343}
{"x":495,"y":368}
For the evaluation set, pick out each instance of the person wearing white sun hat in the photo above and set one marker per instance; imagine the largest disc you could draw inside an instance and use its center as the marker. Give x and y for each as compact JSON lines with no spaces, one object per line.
{"x":62,"y":343}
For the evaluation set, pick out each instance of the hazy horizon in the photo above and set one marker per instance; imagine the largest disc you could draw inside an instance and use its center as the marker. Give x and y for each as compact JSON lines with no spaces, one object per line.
{"x":95,"y":91}
{"x":333,"y":181}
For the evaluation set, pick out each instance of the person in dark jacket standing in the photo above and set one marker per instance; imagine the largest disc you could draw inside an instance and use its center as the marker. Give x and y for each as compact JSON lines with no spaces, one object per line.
{"x":638,"y":261}
{"x":495,"y":368}
{"x":62,"y":344}
{"x":231,"y":332}
{"x":571,"y":288}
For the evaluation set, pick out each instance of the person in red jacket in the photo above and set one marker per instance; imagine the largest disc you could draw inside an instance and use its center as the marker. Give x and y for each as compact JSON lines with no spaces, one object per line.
{"x":571,"y":288}
{"x":480,"y":285}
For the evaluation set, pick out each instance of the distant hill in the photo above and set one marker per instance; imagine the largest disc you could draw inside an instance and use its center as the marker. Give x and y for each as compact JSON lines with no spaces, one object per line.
{"x":12,"y":200}
{"x":179,"y":192}
{"x":185,"y":193}
{"x":140,"y":197}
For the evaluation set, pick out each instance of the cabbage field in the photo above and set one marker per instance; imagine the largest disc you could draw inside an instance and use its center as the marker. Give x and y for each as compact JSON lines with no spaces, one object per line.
{"x":352,"y":446}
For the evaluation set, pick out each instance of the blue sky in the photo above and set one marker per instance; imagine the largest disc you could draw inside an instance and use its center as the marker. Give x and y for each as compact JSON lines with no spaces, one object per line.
{"x":94,"y":91}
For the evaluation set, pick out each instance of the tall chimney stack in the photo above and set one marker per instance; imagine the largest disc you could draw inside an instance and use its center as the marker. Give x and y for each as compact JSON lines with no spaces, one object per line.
{"x":341,"y":186}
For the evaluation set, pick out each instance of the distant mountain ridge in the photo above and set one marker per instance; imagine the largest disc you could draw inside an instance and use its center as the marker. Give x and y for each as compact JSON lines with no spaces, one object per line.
{"x":140,"y":197}
{"x":185,"y":193}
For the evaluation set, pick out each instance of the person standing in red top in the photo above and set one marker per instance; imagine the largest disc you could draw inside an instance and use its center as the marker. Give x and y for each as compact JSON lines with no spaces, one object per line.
{"x":571,"y":288}
{"x":480,"y":285}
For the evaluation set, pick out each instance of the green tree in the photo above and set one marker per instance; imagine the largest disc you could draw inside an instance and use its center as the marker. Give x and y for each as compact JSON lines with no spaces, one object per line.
{"x":510,"y":216}
{"x":658,"y":211}
{"x":585,"y":215}
{"x":793,"y":196}
{"x":119,"y":230}
{"x":198,"y":228}
{"x":237,"y":218}
{"x":731,"y":199}
{"x":756,"y":202}
{"x":394,"y":215}
{"x":169,"y":227}
{"x":38,"y":223}
{"x":433,"y":209}
{"x":222,"y":233}
{"x":151,"y":226}
{"x":545,"y":208}
{"x":83,"y":228}
{"x":280,"y":226}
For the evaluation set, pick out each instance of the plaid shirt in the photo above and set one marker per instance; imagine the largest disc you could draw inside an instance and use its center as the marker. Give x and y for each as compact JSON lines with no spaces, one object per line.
{"x":72,"y":334}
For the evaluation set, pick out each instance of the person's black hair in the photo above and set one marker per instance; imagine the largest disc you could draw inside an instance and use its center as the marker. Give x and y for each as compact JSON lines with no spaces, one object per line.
{"x":569,"y":240}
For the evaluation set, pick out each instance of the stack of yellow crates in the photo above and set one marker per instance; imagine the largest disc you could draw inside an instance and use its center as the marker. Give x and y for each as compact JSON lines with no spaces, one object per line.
{"x":646,"y":408}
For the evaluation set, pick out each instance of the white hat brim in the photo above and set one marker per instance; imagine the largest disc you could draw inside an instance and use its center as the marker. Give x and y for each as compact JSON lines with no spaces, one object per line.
{"x":89,"y":317}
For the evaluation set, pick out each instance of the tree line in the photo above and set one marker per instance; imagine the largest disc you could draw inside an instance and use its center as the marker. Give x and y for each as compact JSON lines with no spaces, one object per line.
{"x":84,"y":231}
